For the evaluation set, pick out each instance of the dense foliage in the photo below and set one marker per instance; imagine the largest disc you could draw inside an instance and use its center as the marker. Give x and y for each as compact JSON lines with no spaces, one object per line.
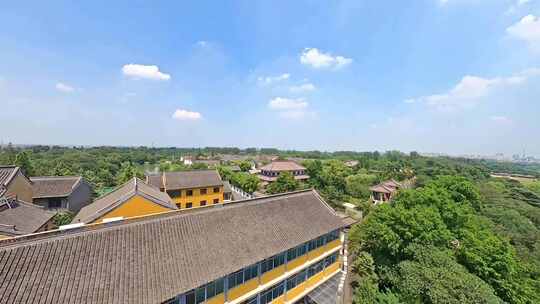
{"x":439,"y":244}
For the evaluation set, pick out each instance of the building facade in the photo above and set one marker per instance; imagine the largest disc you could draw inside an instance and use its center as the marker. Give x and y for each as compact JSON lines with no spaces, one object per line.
{"x":14,"y":182}
{"x":283,"y":278}
{"x":275,"y":249}
{"x":132,"y":199}
{"x":69,"y":193}
{"x":190,"y":189}
{"x":269,"y":173}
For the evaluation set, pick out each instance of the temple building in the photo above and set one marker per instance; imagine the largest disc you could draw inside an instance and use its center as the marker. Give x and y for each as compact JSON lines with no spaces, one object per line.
{"x":269,"y":173}
{"x":384,"y":191}
{"x":132,"y":199}
{"x":190,"y":189}
{"x":276,"y":249}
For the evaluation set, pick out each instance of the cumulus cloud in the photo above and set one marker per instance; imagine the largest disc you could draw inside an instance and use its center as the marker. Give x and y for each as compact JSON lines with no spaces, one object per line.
{"x":282,"y":103}
{"x":319,"y":60}
{"x":273,"y":79}
{"x":291,"y":108}
{"x":181,"y":114}
{"x":527,"y":29}
{"x":471,"y":89}
{"x":501,"y":119}
{"x":64,"y":88}
{"x":306,"y":87}
{"x":144,"y":72}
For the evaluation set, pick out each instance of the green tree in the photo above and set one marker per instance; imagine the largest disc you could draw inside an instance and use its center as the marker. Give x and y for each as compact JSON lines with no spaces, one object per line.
{"x":245,"y":166}
{"x":127,"y":171}
{"x":284,"y":183}
{"x":23,"y":161}
{"x":358,"y":185}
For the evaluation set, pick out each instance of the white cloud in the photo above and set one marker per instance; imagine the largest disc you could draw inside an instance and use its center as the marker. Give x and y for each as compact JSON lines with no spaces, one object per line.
{"x":180,"y":114}
{"x":501,"y":119}
{"x":273,"y":79}
{"x":144,"y":71}
{"x":319,"y":60}
{"x":528,"y":30}
{"x":62,"y":87}
{"x":202,"y":43}
{"x":282,"y":103}
{"x":306,"y":87}
{"x":471,"y":89}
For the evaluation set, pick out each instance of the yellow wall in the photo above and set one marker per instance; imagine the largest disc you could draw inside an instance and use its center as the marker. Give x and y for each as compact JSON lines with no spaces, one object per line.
{"x":197,"y":197}
{"x":278,"y":300}
{"x":241,"y":290}
{"x":314,"y":279}
{"x":331,"y":269}
{"x":135,"y":206}
{"x":21,"y":187}
{"x":299,"y":261}
{"x":218,"y":299}
{"x":317,"y":252}
{"x":293,"y":293}
{"x":333,"y":244}
{"x":272,"y":274}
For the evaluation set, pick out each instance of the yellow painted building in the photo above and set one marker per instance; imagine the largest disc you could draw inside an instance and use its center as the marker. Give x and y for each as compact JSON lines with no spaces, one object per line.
{"x":134,"y":198}
{"x":190,"y":189}
{"x":281,"y":279}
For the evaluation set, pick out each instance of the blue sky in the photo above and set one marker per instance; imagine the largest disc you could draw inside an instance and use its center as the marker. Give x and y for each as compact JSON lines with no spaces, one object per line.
{"x":455,"y":76}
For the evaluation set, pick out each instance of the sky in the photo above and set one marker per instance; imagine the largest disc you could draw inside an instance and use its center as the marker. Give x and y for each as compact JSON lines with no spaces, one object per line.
{"x":448,"y":76}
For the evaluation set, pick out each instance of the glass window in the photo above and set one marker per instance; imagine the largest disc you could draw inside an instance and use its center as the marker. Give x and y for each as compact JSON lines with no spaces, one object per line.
{"x":216,"y":189}
{"x":203,"y":191}
{"x":216,"y":200}
{"x":55,"y":202}
{"x":189,"y":192}
{"x":203,"y":203}
{"x":210,"y":290}
{"x":220,"y":286}
{"x":175,"y":193}
{"x":190,"y":297}
{"x":189,"y":205}
{"x":200,"y":293}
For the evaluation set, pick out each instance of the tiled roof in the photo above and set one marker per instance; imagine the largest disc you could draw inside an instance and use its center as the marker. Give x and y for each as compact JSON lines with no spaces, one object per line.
{"x":7,"y":173}
{"x":155,"y":180}
{"x":190,"y":179}
{"x":150,"y":260}
{"x":18,"y":218}
{"x":113,"y":199}
{"x":54,"y":186}
{"x":282,"y":165}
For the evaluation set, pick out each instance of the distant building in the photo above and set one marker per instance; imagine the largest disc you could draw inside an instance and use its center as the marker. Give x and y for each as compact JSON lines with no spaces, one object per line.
{"x":351,"y":163}
{"x":190,"y":189}
{"x":61,"y":192}
{"x":134,"y":198}
{"x":384,"y":191}
{"x":270,"y":172}
{"x":272,"y":250}
{"x":20,"y":218}
{"x":14,"y":182}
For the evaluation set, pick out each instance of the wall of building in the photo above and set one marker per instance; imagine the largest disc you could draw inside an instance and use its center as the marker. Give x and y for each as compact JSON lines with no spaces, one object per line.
{"x":80,"y":197}
{"x":263,"y":282}
{"x":21,"y":187}
{"x":136,"y":206}
{"x":196,"y":199}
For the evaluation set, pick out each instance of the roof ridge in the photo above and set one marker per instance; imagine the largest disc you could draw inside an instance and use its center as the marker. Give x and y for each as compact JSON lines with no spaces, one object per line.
{"x":55,"y":176}
{"x":151,"y":217}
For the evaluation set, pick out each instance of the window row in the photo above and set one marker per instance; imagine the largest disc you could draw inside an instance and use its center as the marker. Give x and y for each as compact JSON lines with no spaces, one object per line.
{"x":205,"y":292}
{"x":216,"y":287}
{"x":242,"y":276}
{"x":201,"y":203}
{"x":189,"y":192}
{"x":272,"y":262}
{"x":273,"y":293}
